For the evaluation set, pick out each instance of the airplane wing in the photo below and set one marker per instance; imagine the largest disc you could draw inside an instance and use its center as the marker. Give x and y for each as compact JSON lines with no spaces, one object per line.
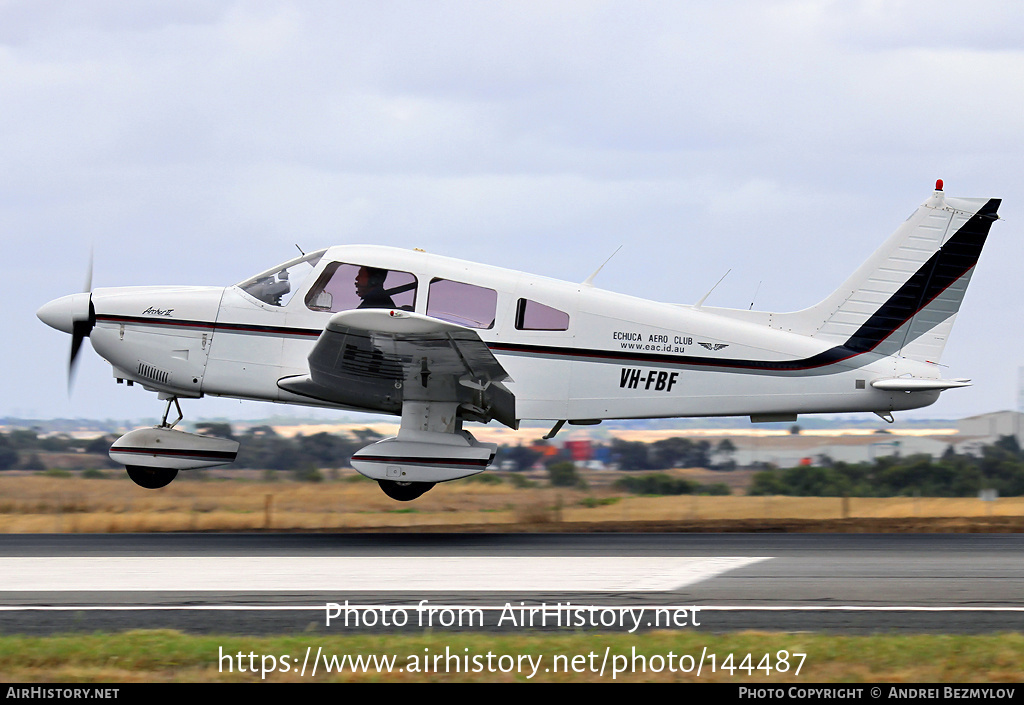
{"x":377,"y":359}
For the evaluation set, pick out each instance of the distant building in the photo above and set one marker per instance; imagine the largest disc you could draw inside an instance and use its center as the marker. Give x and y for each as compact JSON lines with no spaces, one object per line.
{"x":992,"y":426}
{"x":787,"y":451}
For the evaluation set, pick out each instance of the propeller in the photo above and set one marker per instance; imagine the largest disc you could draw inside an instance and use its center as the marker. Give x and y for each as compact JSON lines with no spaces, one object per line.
{"x":81,"y":327}
{"x":80,"y":330}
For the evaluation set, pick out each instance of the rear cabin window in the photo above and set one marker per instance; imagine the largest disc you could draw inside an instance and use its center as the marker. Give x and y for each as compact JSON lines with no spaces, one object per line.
{"x":343,"y":287}
{"x":531,"y":315}
{"x":465,"y":304}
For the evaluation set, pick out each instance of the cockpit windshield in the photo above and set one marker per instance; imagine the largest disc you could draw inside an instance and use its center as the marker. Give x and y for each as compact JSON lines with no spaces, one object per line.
{"x":276,"y":286}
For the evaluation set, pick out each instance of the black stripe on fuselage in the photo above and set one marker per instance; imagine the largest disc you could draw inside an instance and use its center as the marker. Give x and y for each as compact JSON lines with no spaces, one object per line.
{"x":179,"y":453}
{"x":208,"y":325}
{"x":461,"y":462}
{"x":822,"y":359}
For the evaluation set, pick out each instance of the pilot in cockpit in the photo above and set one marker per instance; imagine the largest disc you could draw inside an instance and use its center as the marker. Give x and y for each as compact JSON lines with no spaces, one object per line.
{"x":370,"y":288}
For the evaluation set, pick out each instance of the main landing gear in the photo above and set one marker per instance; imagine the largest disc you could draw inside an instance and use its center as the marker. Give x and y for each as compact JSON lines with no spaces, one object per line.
{"x":404,"y":491}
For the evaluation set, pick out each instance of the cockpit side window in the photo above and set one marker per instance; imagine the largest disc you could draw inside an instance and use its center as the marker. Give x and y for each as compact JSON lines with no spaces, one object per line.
{"x":465,"y":304}
{"x":276,"y":286}
{"x":531,"y":315}
{"x":343,"y":287}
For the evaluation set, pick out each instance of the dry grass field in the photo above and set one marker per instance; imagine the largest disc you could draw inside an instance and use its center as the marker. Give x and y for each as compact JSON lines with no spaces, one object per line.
{"x":43,"y":504}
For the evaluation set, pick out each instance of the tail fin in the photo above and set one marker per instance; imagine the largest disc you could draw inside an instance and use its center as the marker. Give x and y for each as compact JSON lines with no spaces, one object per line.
{"x":905,"y":298}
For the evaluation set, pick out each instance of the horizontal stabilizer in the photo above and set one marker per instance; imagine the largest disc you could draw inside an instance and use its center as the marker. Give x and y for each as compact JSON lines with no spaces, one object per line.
{"x":917,"y":384}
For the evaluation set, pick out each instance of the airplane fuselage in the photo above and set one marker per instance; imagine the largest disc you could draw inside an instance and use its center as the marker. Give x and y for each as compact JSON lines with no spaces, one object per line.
{"x":439,"y":341}
{"x":589,"y":354}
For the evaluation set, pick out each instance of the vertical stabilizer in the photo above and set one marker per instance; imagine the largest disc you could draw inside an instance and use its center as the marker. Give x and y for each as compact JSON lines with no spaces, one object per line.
{"x":904,"y":299}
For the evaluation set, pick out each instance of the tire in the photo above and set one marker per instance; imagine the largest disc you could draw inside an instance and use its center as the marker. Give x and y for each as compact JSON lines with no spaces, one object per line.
{"x":151,"y":478}
{"x":404,"y":491}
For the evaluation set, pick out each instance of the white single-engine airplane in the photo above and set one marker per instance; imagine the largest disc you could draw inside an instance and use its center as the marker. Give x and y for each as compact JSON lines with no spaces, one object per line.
{"x":440,"y":341}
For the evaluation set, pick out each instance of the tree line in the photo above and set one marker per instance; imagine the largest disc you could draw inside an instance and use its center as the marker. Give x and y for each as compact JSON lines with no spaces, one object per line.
{"x":264,"y":449}
{"x":999,"y":466}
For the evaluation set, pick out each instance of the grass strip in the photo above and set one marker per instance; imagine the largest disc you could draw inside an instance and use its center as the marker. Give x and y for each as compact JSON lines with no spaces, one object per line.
{"x":661,"y":656}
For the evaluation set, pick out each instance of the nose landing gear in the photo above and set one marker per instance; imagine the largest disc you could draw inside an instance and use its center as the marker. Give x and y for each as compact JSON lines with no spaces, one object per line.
{"x":404,"y":491}
{"x":151,"y":478}
{"x":165,"y":451}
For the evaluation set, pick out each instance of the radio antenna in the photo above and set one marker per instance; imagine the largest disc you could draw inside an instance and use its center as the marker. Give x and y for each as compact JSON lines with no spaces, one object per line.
{"x":704,"y":298}
{"x":590,"y":280}
{"x":755,"y":295}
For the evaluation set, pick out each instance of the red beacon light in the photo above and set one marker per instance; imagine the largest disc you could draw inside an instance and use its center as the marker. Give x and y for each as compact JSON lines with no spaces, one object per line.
{"x":938,"y":184}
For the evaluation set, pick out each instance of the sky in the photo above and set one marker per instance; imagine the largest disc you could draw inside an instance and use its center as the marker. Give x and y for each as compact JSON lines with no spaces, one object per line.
{"x":198,"y":142}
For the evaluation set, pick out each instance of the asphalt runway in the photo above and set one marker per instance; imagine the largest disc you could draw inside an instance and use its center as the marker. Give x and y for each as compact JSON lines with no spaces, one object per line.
{"x":284,"y":583}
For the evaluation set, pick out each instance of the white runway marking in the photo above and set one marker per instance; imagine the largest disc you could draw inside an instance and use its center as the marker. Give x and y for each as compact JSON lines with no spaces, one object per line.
{"x":384,"y":574}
